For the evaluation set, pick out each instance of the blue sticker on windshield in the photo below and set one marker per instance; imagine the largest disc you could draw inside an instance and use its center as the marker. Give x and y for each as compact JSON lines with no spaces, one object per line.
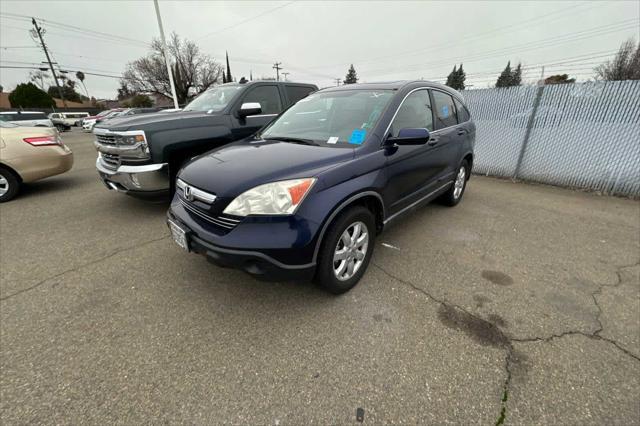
{"x":445,"y":111}
{"x":357,"y":136}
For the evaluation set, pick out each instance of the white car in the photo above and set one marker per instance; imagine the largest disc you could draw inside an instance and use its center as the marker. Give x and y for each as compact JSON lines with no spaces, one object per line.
{"x":26,"y":118}
{"x":87,"y":124}
{"x":69,"y":118}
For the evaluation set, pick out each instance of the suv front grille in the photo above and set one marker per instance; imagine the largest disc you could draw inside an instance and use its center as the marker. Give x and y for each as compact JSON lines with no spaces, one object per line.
{"x":221,"y":221}
{"x":225,"y":222}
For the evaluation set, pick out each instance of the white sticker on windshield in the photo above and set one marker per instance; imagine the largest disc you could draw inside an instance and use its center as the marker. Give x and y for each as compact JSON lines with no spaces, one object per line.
{"x":333,"y":139}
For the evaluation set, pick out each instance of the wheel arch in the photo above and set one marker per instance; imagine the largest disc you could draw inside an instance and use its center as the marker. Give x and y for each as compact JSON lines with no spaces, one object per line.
{"x":12,"y":171}
{"x":370,"y":199}
{"x":469,"y":158}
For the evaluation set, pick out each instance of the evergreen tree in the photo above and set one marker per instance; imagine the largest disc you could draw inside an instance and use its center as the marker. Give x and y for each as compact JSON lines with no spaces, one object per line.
{"x":505,"y":77}
{"x":460,"y":77}
{"x":28,"y":95}
{"x":451,"y":77}
{"x":351,"y":76}
{"x":228,"y":77}
{"x":516,"y":76}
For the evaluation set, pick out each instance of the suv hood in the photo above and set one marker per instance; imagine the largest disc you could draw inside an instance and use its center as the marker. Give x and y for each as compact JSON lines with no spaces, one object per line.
{"x":156,"y":121}
{"x":235,"y":168}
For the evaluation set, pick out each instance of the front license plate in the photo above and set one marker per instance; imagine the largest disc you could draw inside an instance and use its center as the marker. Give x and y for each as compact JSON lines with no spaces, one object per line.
{"x":179,"y":235}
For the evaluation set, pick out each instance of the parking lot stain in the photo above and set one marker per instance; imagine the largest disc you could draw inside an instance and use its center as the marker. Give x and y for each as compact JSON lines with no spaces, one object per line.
{"x":497,"y":320}
{"x":380,"y":317}
{"x":497,"y":277}
{"x":480,"y":300}
{"x":482,"y":331}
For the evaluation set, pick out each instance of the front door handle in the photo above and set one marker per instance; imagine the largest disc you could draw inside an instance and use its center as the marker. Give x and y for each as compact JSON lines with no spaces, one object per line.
{"x":462,"y":132}
{"x":433,"y":141}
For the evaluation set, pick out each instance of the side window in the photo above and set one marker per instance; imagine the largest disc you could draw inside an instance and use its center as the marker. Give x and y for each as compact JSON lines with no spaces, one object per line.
{"x":295,"y":93}
{"x":445,"y":110}
{"x":267,"y":96}
{"x":463,"y":112}
{"x":415,"y":112}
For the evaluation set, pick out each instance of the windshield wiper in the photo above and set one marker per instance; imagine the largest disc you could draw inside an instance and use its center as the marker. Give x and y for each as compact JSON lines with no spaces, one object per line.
{"x":292,"y":140}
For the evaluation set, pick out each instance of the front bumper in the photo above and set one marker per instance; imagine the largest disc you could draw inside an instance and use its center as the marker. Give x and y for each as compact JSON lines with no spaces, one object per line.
{"x":262,"y":263}
{"x":145,"y":180}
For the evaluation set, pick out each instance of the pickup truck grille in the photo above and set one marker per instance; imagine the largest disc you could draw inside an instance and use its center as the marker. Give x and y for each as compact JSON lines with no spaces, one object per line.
{"x":111,"y":161}
{"x":106,"y":139}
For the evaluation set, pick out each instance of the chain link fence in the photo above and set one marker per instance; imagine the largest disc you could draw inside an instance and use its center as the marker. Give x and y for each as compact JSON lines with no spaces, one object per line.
{"x":583,"y":135}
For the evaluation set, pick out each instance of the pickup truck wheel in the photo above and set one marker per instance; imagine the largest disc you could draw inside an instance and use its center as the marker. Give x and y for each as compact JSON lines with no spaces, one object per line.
{"x":346,"y":250}
{"x":9,"y":185}
{"x":60,"y":128}
{"x":454,"y":195}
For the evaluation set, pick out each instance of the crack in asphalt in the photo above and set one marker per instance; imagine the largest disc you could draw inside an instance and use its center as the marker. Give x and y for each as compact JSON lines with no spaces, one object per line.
{"x":506,"y":341}
{"x":77,"y":268}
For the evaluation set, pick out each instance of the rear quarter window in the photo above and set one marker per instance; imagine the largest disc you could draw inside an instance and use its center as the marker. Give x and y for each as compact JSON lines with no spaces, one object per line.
{"x":463,"y":112}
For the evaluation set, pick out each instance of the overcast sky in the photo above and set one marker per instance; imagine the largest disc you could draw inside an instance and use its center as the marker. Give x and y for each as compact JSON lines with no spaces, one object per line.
{"x":317,"y":41}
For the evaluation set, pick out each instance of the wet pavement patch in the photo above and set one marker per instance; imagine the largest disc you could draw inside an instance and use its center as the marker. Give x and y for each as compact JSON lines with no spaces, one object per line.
{"x":478,"y":329}
{"x":497,"y":277}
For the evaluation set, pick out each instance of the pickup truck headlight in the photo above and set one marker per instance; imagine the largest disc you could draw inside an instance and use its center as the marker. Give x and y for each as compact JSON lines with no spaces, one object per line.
{"x":275,"y":198}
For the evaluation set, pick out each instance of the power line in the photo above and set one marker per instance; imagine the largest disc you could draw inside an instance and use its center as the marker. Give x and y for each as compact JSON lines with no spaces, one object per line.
{"x":597,"y":31}
{"x":73,"y":28}
{"x":246,"y":20}
{"x":519,"y":26}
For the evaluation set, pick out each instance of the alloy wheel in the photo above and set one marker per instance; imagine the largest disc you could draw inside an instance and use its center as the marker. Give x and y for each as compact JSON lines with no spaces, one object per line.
{"x":350,"y":251}
{"x":459,"y":183}
{"x":4,"y":185}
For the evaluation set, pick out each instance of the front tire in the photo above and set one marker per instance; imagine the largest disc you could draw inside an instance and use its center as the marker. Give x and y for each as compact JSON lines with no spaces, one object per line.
{"x":454,"y":195}
{"x":9,"y":185}
{"x":346,"y":250}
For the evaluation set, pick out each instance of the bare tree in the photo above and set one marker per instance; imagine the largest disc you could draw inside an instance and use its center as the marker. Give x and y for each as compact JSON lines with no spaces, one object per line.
{"x":625,"y":65}
{"x":193,"y":71}
{"x":40,"y":79}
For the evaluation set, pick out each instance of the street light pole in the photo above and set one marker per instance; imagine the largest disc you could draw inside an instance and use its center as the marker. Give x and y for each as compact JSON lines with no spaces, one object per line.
{"x":166,"y":57}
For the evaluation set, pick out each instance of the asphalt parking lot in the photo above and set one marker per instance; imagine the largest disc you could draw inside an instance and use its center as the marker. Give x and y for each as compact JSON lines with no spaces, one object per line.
{"x":521,"y":304}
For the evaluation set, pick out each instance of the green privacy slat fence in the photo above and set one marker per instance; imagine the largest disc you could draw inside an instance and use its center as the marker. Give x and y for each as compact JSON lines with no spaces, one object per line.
{"x":584,"y":135}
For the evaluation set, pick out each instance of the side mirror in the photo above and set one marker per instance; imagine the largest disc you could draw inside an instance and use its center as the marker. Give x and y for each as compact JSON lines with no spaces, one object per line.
{"x":409,"y":137}
{"x":249,"y":108}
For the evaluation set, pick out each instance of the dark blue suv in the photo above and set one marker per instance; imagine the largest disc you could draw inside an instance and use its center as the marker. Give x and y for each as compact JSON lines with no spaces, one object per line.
{"x":306,"y":196}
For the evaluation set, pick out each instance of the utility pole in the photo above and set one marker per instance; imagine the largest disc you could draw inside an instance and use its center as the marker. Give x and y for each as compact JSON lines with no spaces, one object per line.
{"x":277,"y":67}
{"x":337,"y":81}
{"x":166,"y":57}
{"x":285,"y":75}
{"x":39,"y":31}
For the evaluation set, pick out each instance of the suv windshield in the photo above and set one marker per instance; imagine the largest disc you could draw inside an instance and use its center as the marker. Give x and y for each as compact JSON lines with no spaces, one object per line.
{"x":214,"y":99}
{"x":341,"y":118}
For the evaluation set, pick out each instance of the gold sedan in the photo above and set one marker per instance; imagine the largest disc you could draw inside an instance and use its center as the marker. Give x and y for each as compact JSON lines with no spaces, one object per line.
{"x":28,"y":154}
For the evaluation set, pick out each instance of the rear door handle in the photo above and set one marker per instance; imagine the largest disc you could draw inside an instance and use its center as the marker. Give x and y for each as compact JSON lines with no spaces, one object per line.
{"x":433,"y":141}
{"x":462,"y":132}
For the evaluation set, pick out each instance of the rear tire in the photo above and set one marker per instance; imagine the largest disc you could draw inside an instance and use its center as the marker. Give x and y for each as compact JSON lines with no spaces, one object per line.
{"x":9,"y":185}
{"x":454,"y":195}
{"x":346,"y":250}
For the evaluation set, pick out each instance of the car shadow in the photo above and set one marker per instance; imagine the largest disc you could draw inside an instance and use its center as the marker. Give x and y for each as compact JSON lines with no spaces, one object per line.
{"x":46,"y":186}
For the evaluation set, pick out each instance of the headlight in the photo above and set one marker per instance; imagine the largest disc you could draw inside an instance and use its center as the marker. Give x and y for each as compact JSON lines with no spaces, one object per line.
{"x":275,"y":198}
{"x":138,"y":143}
